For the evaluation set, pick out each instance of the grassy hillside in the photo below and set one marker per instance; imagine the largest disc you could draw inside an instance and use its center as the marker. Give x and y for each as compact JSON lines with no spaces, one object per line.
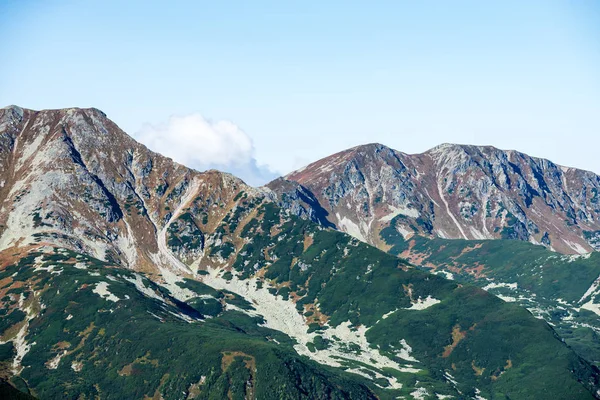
{"x":550,"y":285}
{"x":333,"y":279}
{"x":290,"y":310}
{"x":133,"y":339}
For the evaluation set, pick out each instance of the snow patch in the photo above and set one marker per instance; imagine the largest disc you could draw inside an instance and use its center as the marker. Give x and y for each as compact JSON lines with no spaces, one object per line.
{"x":392,"y":382}
{"x":574,"y":257}
{"x":508,"y":299}
{"x":395,"y":211}
{"x":101,"y":290}
{"x":127,"y":245}
{"x":170,"y":282}
{"x":20,"y":344}
{"x":405,"y":351}
{"x":477,"y":395}
{"x":420,"y":394}
{"x":282,"y":315}
{"x":53,"y":364}
{"x":50,"y":268}
{"x":139,"y":285}
{"x":351,"y":228}
{"x":76,"y":366}
{"x":494,"y":285}
{"x":405,"y":232}
{"x":592,"y":290}
{"x":576,"y":247}
{"x":591,"y":306}
{"x":445,"y":274}
{"x":422,"y":304}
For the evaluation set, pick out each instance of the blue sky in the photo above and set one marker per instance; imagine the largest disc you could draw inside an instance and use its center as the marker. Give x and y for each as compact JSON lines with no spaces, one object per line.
{"x":291,"y":82}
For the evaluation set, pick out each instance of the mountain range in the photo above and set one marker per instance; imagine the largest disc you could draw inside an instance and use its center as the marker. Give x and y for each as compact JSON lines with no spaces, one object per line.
{"x":368,"y":274}
{"x":457,"y":192}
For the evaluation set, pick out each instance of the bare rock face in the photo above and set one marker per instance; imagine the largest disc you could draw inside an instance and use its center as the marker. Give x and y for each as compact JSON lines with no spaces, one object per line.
{"x":73,"y":178}
{"x":298,"y":200}
{"x":456,"y":192}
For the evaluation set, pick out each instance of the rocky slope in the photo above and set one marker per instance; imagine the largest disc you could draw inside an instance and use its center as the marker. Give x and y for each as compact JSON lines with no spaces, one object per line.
{"x":119,"y":269}
{"x":73,"y":178}
{"x":455,"y":192}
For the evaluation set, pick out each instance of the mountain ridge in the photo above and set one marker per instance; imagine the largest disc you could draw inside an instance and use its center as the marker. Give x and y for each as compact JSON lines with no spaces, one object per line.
{"x":438,"y":147}
{"x":457,"y":191}
{"x":120,"y":268}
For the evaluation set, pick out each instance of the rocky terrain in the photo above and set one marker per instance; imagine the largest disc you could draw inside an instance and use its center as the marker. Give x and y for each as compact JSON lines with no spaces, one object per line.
{"x":455,"y":192}
{"x":126,"y":275}
{"x":473,"y":214}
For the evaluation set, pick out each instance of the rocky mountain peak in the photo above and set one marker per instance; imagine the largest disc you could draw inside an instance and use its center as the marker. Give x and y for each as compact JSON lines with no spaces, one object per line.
{"x":73,"y":178}
{"x":457,"y":191}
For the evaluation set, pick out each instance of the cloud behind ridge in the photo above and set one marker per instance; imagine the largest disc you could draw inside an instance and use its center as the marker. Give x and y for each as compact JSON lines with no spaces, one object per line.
{"x":202,"y":144}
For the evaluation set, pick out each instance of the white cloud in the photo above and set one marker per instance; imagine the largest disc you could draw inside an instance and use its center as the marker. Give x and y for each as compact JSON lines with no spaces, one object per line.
{"x":202,"y":144}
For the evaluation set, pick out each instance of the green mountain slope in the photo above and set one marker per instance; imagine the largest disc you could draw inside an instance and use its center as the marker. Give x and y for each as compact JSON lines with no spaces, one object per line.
{"x":336,"y":281}
{"x":98,"y":330}
{"x":561,"y":289}
{"x":88,"y":327}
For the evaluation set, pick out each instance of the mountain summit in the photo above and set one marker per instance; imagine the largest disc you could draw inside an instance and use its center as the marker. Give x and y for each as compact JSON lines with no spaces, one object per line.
{"x":73,"y":178}
{"x":457,"y":192}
